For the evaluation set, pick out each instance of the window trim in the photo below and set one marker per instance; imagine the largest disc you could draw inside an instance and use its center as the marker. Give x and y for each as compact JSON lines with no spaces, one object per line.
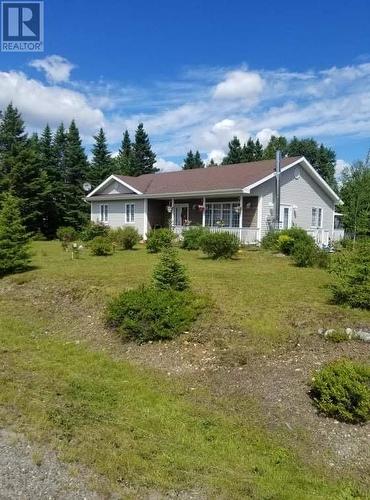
{"x":131,"y":219}
{"x":104,"y":213}
{"x":232,"y":204}
{"x":319,"y":210}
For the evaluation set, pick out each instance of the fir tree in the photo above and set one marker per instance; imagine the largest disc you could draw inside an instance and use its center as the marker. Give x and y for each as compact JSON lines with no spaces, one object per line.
{"x":258,"y":150}
{"x":198,"y":162}
{"x":212,"y":163}
{"x":235,"y":152}
{"x":12,"y":140}
{"x":169,"y":273}
{"x":101,"y":165}
{"x":14,"y":252}
{"x":248,"y":151}
{"x":188,"y":161}
{"x":125,"y":160}
{"x":75,"y":210}
{"x":143,"y":156}
{"x":30,"y":184}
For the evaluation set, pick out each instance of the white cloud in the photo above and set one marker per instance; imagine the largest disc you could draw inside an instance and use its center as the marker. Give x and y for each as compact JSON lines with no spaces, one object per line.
{"x":265,"y":135}
{"x":246,"y":85}
{"x":217,"y":155}
{"x":166,"y":165}
{"x":56,"y":68}
{"x":339,"y":167}
{"x":41,"y":104}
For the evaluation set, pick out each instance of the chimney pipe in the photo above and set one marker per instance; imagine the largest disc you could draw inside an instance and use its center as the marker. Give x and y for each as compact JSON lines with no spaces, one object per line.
{"x":277,"y":189}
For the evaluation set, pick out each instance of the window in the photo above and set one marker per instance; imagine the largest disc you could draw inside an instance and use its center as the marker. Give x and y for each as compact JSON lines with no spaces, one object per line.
{"x":316,"y":217}
{"x":130,"y":212}
{"x":103,"y":213}
{"x":225,"y":214}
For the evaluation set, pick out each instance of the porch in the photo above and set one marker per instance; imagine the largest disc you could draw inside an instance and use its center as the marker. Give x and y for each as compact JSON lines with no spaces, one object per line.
{"x":238,"y":216}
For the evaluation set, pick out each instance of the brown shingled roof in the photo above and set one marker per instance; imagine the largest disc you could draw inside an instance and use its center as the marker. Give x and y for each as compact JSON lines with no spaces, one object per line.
{"x":226,"y":177}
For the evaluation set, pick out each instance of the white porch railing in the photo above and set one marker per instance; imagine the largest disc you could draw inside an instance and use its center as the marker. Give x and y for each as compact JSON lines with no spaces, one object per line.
{"x":246,"y":235}
{"x":322,"y":236}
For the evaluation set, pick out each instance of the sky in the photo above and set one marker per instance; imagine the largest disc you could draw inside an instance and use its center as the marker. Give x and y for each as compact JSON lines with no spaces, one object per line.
{"x":196,"y":73}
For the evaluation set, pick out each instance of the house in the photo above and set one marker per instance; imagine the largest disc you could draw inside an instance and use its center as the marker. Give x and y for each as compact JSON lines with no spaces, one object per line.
{"x":241,"y":199}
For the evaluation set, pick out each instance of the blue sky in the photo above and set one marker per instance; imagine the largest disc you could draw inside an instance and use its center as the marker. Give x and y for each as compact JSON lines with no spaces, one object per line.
{"x":198,"y":72}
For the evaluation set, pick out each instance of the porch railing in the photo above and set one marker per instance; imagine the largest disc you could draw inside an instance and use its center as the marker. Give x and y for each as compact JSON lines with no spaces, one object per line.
{"x":246,"y":235}
{"x":322,"y":236}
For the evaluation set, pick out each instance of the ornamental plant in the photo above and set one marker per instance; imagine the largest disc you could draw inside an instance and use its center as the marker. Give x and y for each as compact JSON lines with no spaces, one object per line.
{"x":170,"y":273}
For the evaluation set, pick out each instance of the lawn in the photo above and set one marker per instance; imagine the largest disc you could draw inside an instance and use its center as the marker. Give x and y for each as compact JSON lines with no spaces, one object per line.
{"x":136,"y":426}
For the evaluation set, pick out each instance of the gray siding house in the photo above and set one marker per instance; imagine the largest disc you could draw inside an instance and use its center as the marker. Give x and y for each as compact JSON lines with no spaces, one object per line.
{"x":240,"y":199}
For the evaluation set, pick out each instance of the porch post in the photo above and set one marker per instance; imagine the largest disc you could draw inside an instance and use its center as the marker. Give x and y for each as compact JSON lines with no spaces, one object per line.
{"x":241,"y":217}
{"x":259,"y":219}
{"x":145,"y":224}
{"x":204,"y":212}
{"x":173,"y":213}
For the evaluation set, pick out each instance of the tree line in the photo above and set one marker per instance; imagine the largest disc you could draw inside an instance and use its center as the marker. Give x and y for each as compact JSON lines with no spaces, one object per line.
{"x":322,"y":158}
{"x":46,"y":173}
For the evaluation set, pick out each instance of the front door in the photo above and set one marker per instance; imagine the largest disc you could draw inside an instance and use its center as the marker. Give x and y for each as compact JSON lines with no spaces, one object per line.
{"x":181,"y":214}
{"x":285,"y":216}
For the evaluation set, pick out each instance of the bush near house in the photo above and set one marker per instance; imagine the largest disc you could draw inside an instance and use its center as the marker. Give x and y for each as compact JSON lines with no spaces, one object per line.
{"x":350,"y":271}
{"x":192,"y":237}
{"x":169,"y":273}
{"x":158,"y":239}
{"x":101,"y":246}
{"x":94,"y":229}
{"x":125,"y":237}
{"x":342,"y":390}
{"x":147,"y":314}
{"x":222,"y":245}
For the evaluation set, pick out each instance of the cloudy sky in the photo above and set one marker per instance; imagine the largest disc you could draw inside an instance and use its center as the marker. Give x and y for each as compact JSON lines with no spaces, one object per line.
{"x":198,"y":73}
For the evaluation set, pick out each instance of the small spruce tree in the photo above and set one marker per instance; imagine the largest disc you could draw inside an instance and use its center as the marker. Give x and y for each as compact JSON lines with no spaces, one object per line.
{"x":14,"y":252}
{"x":169,"y":273}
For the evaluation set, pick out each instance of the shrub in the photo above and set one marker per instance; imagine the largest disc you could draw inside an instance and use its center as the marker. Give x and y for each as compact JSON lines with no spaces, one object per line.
{"x":94,"y":229}
{"x":304,"y":253}
{"x":192,"y":237}
{"x":169,"y":273}
{"x":66,"y":235}
{"x":222,"y":245}
{"x":125,"y":237}
{"x":158,"y":239}
{"x":149,"y":314}
{"x":101,"y":246}
{"x":270,"y":240}
{"x":285,"y":244}
{"x":342,"y":390}
{"x":350,"y":271}
{"x":14,"y":249}
{"x":337,"y":336}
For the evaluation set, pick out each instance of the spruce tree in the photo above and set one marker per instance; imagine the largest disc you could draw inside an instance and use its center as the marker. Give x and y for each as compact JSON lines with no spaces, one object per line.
{"x":258,"y":150}
{"x":14,"y":252}
{"x":188,"y":161}
{"x":101,"y":165}
{"x":198,"y":162}
{"x":12,"y":140}
{"x":75,"y":210}
{"x":248,"y":151}
{"x":125,"y":159}
{"x":212,"y":163}
{"x":143,"y":156}
{"x":234,"y":154}
{"x":30,"y":184}
{"x":170,"y":273}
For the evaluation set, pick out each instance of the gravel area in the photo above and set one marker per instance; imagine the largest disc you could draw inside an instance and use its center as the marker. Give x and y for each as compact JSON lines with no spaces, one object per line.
{"x":27,"y":473}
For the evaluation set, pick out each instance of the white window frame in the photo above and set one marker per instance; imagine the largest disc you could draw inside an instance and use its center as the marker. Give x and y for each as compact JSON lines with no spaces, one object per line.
{"x":131,"y":215}
{"x":290,"y":216}
{"x":319,"y":217}
{"x":104,"y":213}
{"x":233,"y":204}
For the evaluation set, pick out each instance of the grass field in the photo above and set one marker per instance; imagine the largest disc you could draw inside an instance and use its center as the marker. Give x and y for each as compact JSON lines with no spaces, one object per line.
{"x":136,"y":426}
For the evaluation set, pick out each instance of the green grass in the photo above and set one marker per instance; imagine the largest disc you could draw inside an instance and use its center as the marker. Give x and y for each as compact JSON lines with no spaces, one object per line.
{"x":140,"y":426}
{"x":137,"y":426}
